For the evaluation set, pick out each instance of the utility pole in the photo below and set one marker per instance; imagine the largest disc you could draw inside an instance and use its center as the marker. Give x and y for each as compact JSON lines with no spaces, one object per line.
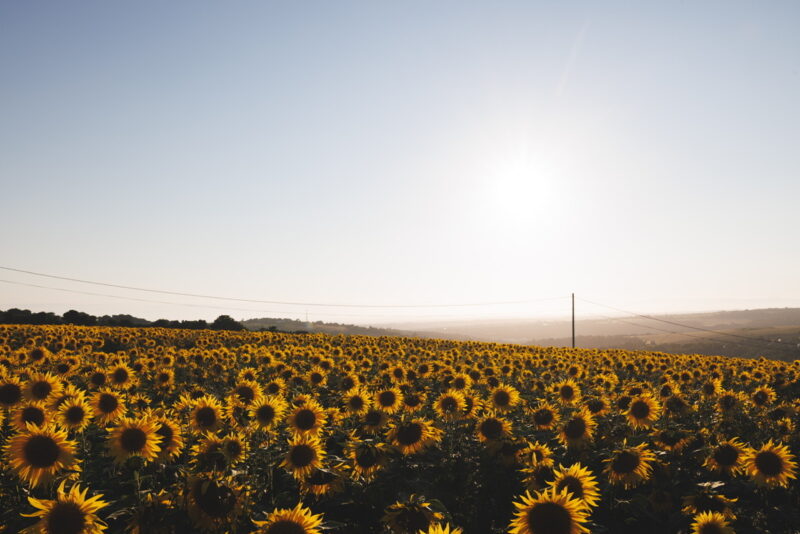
{"x":573,"y":320}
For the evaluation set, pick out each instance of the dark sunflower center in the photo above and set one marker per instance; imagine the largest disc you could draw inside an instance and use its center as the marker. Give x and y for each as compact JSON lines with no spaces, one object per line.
{"x":726,"y":455}
{"x":459,"y":383}
{"x":65,"y":518}
{"x":387,"y":398}
{"x":708,"y":388}
{"x":32,"y":414}
{"x":675,"y":404}
{"x":120,"y":376}
{"x":246,"y":393}
{"x":492,"y":428}
{"x":10,"y":394}
{"x":573,"y":486}
{"x":449,"y":404}
{"x":412,"y":400}
{"x":502,"y":398}
{"x":409,"y":434}
{"x":265,"y":414}
{"x":769,"y":463}
{"x":595,"y":405}
{"x":640,"y":409}
{"x":273,"y":388}
{"x":711,"y":528}
{"x":75,"y":414}
{"x":302,"y":455}
{"x":163,"y":377}
{"x":625,"y":462}
{"x":36,"y":354}
{"x":373,"y":418}
{"x":216,"y":501}
{"x":575,"y":428}
{"x":234,"y":448}
{"x":567,"y":392}
{"x":41,"y":389}
{"x":41,"y":451}
{"x":133,"y":439}
{"x":305,"y":419}
{"x":316,"y":378}
{"x":286,"y":526}
{"x":206,"y":416}
{"x":108,"y":403}
{"x":760,"y":398}
{"x":98,"y":379}
{"x":356,"y":402}
{"x":543,"y":417}
{"x":623,"y":402}
{"x":549,"y":518}
{"x":366,"y":458}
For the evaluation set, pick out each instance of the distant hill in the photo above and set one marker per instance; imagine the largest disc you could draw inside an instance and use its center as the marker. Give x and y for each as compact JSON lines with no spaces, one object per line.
{"x":771,"y":332}
{"x":319,"y":327}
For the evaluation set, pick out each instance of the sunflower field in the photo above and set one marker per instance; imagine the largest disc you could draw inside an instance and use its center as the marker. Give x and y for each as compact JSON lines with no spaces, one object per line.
{"x":152,"y":431}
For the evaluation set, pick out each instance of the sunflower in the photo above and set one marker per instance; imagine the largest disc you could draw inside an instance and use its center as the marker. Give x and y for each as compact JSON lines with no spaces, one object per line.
{"x":207,"y":454}
{"x":549,"y":512}
{"x":671,"y":439}
{"x":234,"y":447}
{"x":42,"y":387}
{"x":539,"y":476}
{"x":74,"y":414}
{"x":171,"y":438}
{"x":578,"y":430}
{"x":374,"y":420}
{"x":134,"y":437}
{"x":504,"y":398}
{"x":317,"y":377}
{"x":305,"y":454}
{"x":410,"y":516}
{"x":536,"y":454}
{"x":440,"y":528}
{"x":413,"y":436}
{"x":70,"y":513}
{"x":568,"y":392}
{"x":266,"y":412}
{"x":107,"y":406}
{"x":10,"y":391}
{"x":450,"y":405}
{"x":630,"y":466}
{"x":763,"y":396}
{"x":164,"y":378}
{"x":643,"y":411}
{"x":38,"y":454}
{"x":389,"y":400}
{"x":707,"y":501}
{"x":414,"y":401}
{"x":298,"y":520}
{"x":710,"y":523}
{"x":307,"y":419}
{"x":207,"y":414}
{"x":545,"y":416}
{"x":597,"y":406}
{"x":30,"y":413}
{"x":578,"y":481}
{"x":771,"y":465}
{"x":367,"y":457}
{"x":246,"y":392}
{"x":214,"y":503}
{"x":121,"y":376}
{"x":728,"y":457}
{"x":492,"y":428}
{"x":321,"y":482}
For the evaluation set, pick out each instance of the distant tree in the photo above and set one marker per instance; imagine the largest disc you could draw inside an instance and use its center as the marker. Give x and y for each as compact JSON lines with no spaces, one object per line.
{"x":79,"y":318}
{"x":226,"y":322}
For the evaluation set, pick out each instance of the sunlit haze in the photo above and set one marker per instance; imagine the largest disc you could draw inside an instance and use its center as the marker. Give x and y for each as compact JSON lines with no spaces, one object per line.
{"x":399,"y":154}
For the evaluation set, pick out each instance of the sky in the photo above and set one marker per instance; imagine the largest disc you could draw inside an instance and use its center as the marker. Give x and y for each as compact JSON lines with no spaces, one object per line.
{"x":403,"y":155}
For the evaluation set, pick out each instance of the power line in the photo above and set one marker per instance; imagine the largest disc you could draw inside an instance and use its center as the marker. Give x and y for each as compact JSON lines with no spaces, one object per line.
{"x":748,"y":345}
{"x":313,"y":304}
{"x":225,"y":308}
{"x":718,"y":332}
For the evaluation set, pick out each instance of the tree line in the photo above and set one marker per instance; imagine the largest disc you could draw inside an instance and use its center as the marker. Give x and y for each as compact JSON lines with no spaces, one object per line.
{"x":74,"y":317}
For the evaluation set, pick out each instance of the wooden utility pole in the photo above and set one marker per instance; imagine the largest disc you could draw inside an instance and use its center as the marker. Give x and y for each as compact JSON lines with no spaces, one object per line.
{"x":573,"y":320}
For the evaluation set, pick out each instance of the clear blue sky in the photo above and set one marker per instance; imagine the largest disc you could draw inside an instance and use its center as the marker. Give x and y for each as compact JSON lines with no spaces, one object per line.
{"x":641,"y":154}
